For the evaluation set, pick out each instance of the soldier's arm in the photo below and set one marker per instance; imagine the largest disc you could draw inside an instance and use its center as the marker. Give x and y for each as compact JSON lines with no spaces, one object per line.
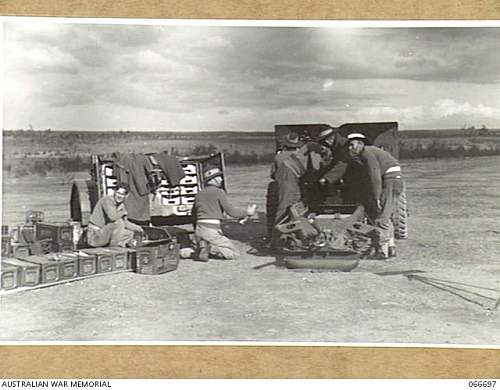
{"x":112,"y":212}
{"x":373,"y":168}
{"x":336,"y":172}
{"x":229,"y":209}
{"x":132,"y":226}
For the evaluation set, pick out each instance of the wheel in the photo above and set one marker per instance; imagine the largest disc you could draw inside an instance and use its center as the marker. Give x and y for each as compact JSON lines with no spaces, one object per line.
{"x":83,"y":199}
{"x":400,"y":218}
{"x":272,"y":198}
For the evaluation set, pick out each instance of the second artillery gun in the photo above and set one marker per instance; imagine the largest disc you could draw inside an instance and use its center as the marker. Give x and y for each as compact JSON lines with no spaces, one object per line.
{"x":335,"y":211}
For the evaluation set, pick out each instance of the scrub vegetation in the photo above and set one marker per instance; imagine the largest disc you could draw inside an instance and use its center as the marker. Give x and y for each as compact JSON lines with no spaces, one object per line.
{"x":28,"y":152}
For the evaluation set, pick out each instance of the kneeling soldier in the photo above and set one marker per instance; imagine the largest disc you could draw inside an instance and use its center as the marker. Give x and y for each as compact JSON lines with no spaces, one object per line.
{"x":108,"y":224}
{"x":210,"y":204}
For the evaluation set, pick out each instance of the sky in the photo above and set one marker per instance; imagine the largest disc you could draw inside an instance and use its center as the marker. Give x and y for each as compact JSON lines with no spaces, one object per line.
{"x":68,"y":76}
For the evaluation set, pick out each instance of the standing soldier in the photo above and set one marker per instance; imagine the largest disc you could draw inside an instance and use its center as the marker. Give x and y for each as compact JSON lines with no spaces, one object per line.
{"x":290,"y":144}
{"x":290,"y":171}
{"x":337,"y":144}
{"x":210,"y":204}
{"x":386,"y":184}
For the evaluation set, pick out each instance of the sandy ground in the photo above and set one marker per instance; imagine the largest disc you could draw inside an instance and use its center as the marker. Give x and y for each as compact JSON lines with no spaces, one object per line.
{"x":455,"y":236}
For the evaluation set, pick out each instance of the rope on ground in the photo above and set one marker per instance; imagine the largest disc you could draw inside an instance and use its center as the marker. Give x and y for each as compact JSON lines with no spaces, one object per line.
{"x":448,"y":286}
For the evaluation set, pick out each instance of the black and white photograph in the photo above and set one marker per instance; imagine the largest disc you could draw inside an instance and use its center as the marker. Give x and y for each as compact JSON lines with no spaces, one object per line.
{"x":266,"y":182}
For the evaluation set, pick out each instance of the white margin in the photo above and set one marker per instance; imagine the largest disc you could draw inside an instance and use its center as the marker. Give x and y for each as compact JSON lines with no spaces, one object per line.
{"x":237,"y":23}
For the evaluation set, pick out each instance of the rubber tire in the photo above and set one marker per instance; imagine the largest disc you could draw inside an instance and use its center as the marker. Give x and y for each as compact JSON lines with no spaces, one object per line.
{"x":83,"y":199}
{"x":272,"y":198}
{"x":400,"y":218}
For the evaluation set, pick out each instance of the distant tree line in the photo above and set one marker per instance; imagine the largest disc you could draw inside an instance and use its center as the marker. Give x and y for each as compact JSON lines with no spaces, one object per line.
{"x":409,"y":149}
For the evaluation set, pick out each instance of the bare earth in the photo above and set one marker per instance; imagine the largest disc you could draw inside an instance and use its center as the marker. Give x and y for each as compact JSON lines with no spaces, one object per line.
{"x":455,"y":235}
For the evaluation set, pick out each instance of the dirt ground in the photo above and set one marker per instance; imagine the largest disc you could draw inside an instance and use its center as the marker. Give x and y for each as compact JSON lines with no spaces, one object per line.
{"x":454,"y":235}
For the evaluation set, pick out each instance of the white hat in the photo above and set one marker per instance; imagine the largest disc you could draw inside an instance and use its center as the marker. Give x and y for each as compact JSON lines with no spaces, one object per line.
{"x":356,"y":136}
{"x":325,"y":133}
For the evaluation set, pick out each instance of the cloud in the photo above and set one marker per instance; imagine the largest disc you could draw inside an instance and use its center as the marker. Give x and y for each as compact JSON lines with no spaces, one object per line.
{"x":447,"y":108}
{"x":268,"y":74}
{"x":328,"y":84}
{"x":407,"y":116}
{"x":39,"y":59}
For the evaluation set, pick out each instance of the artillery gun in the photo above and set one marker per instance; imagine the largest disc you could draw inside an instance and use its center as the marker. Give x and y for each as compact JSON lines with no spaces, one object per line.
{"x":335,"y":207}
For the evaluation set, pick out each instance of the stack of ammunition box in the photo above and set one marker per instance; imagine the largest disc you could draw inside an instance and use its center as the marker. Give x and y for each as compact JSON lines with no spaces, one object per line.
{"x":109,"y":179}
{"x":27,"y":273}
{"x":181,"y":197}
{"x":40,"y":253}
{"x":109,"y":259}
{"x":60,"y":235}
{"x":32,"y":270}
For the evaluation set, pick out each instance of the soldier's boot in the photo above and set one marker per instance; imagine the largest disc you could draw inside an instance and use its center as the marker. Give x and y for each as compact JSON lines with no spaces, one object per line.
{"x":202,"y":251}
{"x":381,"y":253}
{"x":392,"y":251}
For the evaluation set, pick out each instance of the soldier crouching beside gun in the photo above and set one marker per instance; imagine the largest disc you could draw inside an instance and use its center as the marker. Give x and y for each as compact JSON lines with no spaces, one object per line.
{"x":210,"y":204}
{"x":108,"y":224}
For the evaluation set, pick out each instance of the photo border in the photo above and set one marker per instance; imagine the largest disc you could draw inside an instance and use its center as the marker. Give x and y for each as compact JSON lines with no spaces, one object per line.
{"x":223,"y":361}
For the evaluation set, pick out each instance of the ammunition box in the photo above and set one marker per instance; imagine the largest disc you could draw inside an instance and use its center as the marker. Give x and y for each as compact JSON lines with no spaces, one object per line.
{"x":189,"y":169}
{"x":86,"y":263}
{"x":28,"y":273}
{"x":6,"y":246}
{"x":8,"y":277}
{"x":148,"y":262}
{"x":41,"y":247}
{"x":155,"y":233}
{"x":189,"y":200}
{"x":19,"y":250}
{"x":171,"y":256}
{"x":188,"y":180}
{"x":61,"y":233}
{"x":104,"y":259}
{"x":121,"y":259}
{"x":24,"y":234}
{"x":157,"y":259}
{"x":34,"y":216}
{"x":50,"y":270}
{"x":61,"y":247}
{"x":68,"y":265}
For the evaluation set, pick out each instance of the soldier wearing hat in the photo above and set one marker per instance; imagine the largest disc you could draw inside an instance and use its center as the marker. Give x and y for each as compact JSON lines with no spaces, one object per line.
{"x":337,"y":144}
{"x":386,"y":185}
{"x":210,"y":205}
{"x":292,"y":167}
{"x":289,"y":144}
